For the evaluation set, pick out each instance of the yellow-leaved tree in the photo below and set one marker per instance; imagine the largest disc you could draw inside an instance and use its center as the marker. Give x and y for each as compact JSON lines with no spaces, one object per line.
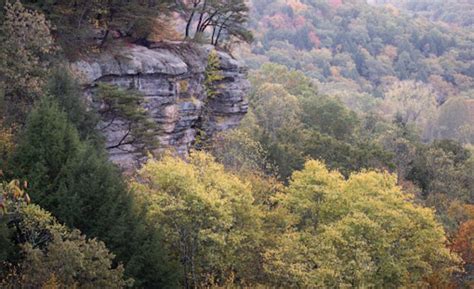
{"x":36,"y":251}
{"x":25,"y":57}
{"x":207,"y":215}
{"x":364,"y":232}
{"x":212,"y":74}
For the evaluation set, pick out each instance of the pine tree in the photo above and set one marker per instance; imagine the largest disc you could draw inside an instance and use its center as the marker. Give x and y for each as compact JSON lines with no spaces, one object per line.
{"x":125,"y":105}
{"x":68,"y":93}
{"x":73,"y":179}
{"x":49,"y":142}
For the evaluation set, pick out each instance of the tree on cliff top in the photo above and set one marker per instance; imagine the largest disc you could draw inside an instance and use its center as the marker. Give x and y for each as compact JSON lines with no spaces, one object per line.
{"x":25,"y":51}
{"x":82,"y":25}
{"x":220,"y":18}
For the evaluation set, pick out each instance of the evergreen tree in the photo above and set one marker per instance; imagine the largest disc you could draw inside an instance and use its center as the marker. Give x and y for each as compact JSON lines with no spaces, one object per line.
{"x":48,"y":144}
{"x":74,"y":180}
{"x":68,"y":93}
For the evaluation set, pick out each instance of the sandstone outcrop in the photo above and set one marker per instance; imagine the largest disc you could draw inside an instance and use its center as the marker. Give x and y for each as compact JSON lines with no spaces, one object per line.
{"x":170,"y":76}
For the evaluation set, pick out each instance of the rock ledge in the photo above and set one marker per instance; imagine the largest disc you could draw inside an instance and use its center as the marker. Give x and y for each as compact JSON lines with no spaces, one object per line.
{"x":171,"y":78}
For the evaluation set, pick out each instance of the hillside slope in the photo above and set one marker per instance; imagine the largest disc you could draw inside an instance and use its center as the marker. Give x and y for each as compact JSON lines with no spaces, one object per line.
{"x":364,"y":54}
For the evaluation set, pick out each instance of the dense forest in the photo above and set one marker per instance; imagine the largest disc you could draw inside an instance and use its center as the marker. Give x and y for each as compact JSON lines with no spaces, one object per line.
{"x":353,"y":168}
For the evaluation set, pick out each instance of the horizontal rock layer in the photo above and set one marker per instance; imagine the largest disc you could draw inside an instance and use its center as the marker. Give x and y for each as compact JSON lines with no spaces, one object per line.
{"x":170,"y":76}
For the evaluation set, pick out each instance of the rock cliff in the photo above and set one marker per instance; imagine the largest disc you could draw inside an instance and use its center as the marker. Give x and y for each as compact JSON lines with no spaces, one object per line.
{"x":170,"y":76}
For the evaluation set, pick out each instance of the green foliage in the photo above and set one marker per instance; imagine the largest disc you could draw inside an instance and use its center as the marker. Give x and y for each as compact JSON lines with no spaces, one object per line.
{"x":376,"y":51}
{"x":77,"y":24}
{"x":151,"y":266}
{"x":85,"y":26}
{"x":12,"y":194}
{"x":239,"y":152}
{"x":124,"y":105}
{"x":294,"y":81}
{"x":47,"y":248}
{"x":51,"y":249}
{"x":212,"y":75}
{"x":6,"y":142}
{"x":329,"y":116}
{"x":48,"y":144}
{"x":443,"y":171}
{"x":290,"y":127}
{"x":450,"y":11}
{"x":7,"y":247}
{"x":360,"y":232}
{"x":221,"y":20}
{"x":27,"y":46}
{"x":207,"y":217}
{"x":75,"y":181}
{"x":455,"y":121}
{"x":68,"y":93}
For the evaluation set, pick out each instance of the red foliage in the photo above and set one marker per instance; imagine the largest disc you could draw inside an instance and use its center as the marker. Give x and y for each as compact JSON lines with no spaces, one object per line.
{"x":313,"y":37}
{"x":299,"y":22}
{"x":279,"y":21}
{"x":464,"y":242}
{"x":335,"y":3}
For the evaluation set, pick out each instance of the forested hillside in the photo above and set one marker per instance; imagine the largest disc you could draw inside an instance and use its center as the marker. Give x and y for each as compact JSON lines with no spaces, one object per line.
{"x":364,"y":86}
{"x":452,"y":12}
{"x":352,"y":168}
{"x":371,"y":57}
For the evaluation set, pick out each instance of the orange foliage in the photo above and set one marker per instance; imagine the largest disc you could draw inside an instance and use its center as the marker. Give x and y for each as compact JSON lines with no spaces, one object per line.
{"x":164,"y":29}
{"x":278,"y":21}
{"x":299,"y":21}
{"x":469,"y":211}
{"x":464,"y":241}
{"x":391,"y":52}
{"x":282,"y":21}
{"x":442,"y":87}
{"x":335,"y":72}
{"x":335,"y":3}
{"x":392,"y":9}
{"x":463,"y":81}
{"x":438,"y":282}
{"x":459,"y":212}
{"x":296,"y":5}
{"x":313,"y":37}
{"x":6,"y":140}
{"x":409,"y":187}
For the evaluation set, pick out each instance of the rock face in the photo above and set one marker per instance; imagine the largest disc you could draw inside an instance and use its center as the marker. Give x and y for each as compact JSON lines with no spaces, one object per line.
{"x":170,"y":76}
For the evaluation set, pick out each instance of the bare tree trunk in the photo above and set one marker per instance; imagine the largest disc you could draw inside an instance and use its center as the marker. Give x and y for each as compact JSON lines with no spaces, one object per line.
{"x":213,"y":33}
{"x":220,"y":30}
{"x":190,"y":19}
{"x":203,"y":11}
{"x":102,"y":43}
{"x":216,"y":42}
{"x":193,"y":267}
{"x":188,"y":25}
{"x":208,"y":21}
